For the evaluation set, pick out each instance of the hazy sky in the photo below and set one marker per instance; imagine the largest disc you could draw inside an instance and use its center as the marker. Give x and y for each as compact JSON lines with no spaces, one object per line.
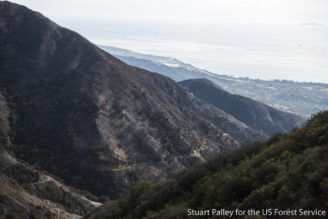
{"x":272,"y":11}
{"x":223,"y":41}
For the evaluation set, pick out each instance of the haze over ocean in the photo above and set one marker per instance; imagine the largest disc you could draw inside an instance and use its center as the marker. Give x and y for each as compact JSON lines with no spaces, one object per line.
{"x":245,"y":38}
{"x":296,"y":52}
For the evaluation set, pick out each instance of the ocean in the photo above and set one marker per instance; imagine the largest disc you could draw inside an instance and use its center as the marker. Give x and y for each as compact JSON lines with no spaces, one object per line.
{"x":297,"y":52}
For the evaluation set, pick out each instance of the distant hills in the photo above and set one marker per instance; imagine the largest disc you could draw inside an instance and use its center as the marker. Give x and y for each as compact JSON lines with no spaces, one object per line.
{"x":256,"y":115}
{"x":304,"y":99}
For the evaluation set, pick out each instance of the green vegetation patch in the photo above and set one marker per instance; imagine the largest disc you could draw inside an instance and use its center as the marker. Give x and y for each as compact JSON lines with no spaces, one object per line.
{"x":287,"y":172}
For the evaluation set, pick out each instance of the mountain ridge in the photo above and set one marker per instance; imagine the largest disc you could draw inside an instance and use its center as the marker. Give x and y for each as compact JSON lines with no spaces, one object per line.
{"x":302,"y":98}
{"x":254,"y":114}
{"x":85,"y":116}
{"x":94,"y":123}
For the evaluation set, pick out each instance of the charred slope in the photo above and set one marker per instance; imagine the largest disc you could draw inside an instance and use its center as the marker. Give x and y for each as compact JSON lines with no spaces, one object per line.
{"x":29,"y":193}
{"x":289,"y":171}
{"x":95,"y":121}
{"x":254,"y":114}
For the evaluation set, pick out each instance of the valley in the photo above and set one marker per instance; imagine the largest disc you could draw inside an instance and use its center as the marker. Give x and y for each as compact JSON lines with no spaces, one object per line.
{"x":89,"y":132}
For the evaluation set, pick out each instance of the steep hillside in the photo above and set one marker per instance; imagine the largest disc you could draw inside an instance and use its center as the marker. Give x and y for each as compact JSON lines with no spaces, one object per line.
{"x":28,"y":193}
{"x":254,"y":114}
{"x":96,"y":122}
{"x":303,"y":99}
{"x":288,"y":172}
{"x":4,"y":122}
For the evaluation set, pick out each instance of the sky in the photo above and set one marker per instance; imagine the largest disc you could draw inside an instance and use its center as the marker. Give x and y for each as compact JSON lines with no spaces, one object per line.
{"x":216,"y":35}
{"x":264,"y":11}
